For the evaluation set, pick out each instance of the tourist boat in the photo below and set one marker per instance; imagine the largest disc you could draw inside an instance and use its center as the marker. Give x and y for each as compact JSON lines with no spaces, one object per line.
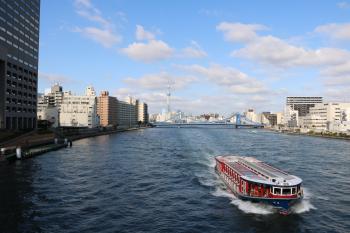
{"x":252,"y":180}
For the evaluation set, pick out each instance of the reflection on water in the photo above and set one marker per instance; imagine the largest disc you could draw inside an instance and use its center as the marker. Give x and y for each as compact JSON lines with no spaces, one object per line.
{"x":163,"y":180}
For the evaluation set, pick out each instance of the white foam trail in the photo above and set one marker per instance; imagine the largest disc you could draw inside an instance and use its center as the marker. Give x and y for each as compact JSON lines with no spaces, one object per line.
{"x":212,"y":163}
{"x":245,"y":206}
{"x":305,"y":205}
{"x":253,"y":208}
{"x":302,"y":207}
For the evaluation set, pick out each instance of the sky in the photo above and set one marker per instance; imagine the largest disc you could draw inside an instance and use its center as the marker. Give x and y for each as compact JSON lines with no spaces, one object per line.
{"x":218,"y":56}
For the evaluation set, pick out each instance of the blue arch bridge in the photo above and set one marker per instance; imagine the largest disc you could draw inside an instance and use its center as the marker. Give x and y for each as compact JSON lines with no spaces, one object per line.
{"x":240,"y":121}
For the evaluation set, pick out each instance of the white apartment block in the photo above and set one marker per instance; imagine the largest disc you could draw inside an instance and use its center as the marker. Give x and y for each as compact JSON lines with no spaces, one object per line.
{"x":48,"y":113}
{"x":290,"y":117}
{"x":79,"y":111}
{"x":333,"y":117}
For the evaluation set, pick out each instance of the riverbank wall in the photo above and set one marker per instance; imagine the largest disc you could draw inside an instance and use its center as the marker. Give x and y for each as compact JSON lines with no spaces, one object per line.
{"x":28,"y":146}
{"x":328,"y":135}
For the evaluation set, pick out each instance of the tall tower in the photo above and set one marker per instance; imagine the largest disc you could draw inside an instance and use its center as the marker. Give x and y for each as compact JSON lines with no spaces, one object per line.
{"x":168,"y":99}
{"x":19,"y":45}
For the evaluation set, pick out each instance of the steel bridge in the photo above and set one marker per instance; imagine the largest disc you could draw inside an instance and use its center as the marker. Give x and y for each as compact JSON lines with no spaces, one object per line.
{"x":240,"y":122}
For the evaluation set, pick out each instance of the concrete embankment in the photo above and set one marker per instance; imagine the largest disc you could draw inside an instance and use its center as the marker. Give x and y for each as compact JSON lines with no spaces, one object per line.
{"x":320,"y":135}
{"x":30,"y":147}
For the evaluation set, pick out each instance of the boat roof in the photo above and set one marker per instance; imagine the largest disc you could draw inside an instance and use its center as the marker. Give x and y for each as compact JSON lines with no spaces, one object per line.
{"x":257,"y":171}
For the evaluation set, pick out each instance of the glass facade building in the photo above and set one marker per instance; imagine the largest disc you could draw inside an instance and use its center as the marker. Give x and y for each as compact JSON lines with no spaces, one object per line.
{"x":19,"y":45}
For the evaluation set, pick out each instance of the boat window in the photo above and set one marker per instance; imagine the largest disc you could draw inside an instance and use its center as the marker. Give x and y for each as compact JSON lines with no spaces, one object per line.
{"x":294,"y":191}
{"x":286,"y":191}
{"x":277,"y":191}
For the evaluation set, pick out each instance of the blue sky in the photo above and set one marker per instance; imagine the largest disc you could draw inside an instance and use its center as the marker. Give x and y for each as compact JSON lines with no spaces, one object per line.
{"x":219,"y":56}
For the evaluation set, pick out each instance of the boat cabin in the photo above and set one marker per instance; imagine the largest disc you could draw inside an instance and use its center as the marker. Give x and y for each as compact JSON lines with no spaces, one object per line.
{"x":254,"y":178}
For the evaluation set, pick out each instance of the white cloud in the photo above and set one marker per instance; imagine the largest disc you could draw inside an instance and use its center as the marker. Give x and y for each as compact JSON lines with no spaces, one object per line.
{"x":156,"y":101}
{"x":142,"y":34}
{"x":193,"y":51}
{"x":270,"y":50}
{"x":153,"y":50}
{"x":122,"y":16}
{"x":238,"y":32}
{"x":253,"y":87}
{"x":103,"y":36}
{"x":343,"y":5}
{"x":335,"y":31}
{"x":338,"y":70}
{"x":160,"y":81}
{"x":274,"y":51}
{"x":338,"y":81}
{"x":336,"y":94}
{"x":83,"y":3}
{"x":338,"y":75}
{"x":54,"y":78}
{"x":230,"y":78}
{"x":278,"y":52}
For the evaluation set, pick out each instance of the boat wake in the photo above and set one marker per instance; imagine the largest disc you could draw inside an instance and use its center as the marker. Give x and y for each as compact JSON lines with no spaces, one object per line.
{"x":305,"y":205}
{"x":245,"y":206}
{"x":212,"y":180}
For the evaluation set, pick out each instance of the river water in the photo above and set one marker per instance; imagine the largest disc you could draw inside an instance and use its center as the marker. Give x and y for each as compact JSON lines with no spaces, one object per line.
{"x":163,"y":180}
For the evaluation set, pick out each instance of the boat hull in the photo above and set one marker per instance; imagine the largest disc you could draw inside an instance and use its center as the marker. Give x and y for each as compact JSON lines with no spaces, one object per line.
{"x":283,"y":205}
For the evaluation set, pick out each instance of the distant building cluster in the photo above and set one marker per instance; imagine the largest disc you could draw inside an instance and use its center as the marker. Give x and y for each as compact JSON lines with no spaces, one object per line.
{"x":64,"y":109}
{"x":306,"y":114}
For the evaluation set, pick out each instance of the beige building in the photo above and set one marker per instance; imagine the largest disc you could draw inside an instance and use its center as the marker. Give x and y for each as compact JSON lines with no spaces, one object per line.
{"x":142,"y":113}
{"x":79,"y":111}
{"x":107,"y":109}
{"x":328,"y":117}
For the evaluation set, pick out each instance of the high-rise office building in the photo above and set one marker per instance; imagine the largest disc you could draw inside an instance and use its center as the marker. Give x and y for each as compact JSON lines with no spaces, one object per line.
{"x":303,"y":104}
{"x":19,"y":44}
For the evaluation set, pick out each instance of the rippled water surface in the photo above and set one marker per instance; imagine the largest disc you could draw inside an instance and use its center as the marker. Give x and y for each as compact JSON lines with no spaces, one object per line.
{"x":163,"y":180}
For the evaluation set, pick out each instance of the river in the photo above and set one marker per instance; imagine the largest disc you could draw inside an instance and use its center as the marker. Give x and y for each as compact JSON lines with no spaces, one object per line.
{"x":163,"y":180}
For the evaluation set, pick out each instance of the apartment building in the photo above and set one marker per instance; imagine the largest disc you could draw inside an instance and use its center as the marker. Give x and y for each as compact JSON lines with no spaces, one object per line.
{"x":107,"y":109}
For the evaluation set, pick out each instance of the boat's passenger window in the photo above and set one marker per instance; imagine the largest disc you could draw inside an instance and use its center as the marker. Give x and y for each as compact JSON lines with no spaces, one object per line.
{"x":277,"y":191}
{"x":294,"y":190}
{"x":286,"y":191}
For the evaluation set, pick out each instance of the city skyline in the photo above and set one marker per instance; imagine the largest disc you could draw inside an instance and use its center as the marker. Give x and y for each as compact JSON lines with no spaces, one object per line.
{"x":223,"y":57}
